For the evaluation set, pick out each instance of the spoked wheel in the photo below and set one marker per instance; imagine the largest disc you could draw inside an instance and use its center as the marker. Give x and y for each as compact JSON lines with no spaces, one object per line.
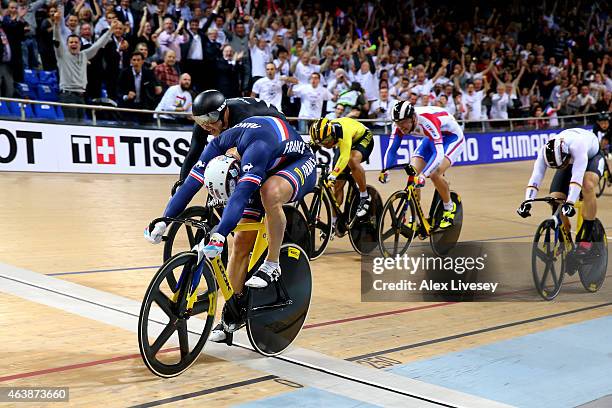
{"x":397,"y":225}
{"x":363,"y":232}
{"x":278,"y":312}
{"x":181,"y":237}
{"x":296,"y":231}
{"x":444,"y":240}
{"x":317,"y":209}
{"x":170,"y":317}
{"x":603,"y":181}
{"x":593,"y":271}
{"x":548,"y":260}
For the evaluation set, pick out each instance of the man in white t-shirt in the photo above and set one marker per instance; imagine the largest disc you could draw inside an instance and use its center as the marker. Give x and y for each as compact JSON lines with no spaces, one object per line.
{"x":473,"y":102}
{"x":382,"y":108}
{"x":176,"y":99}
{"x":311,"y":97}
{"x":368,"y":81}
{"x":499,"y":103}
{"x":260,"y":55}
{"x":270,"y":87}
{"x":304,"y":69}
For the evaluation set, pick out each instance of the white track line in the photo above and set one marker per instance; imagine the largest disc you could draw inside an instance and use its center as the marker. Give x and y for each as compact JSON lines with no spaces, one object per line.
{"x":304,"y":366}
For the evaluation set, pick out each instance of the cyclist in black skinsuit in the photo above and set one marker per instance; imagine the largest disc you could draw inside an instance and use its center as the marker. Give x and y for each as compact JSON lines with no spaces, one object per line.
{"x":214,"y":114}
{"x":603,"y":131}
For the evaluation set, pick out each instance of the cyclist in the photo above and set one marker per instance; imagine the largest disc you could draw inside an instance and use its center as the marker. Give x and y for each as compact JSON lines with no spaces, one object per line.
{"x":277,"y":162}
{"x":355,"y":143}
{"x":213,"y":114}
{"x":602,"y":131}
{"x":575,"y":154}
{"x":441,"y":146}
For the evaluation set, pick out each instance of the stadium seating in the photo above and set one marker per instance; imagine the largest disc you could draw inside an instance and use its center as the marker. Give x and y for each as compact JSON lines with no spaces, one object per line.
{"x":24,"y":91}
{"x":47,"y":92}
{"x":14,"y":107}
{"x":47,"y":77}
{"x":4,"y":109}
{"x":30,"y":77}
{"x":45,"y":112}
{"x":60,"y":113}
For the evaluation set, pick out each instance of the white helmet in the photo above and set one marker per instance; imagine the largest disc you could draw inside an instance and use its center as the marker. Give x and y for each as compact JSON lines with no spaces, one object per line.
{"x":221,"y":176}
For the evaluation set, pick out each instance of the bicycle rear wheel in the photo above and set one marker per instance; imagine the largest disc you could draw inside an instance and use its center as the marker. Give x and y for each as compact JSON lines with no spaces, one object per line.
{"x":397,"y":225}
{"x":444,"y":240}
{"x":593,"y":273}
{"x":317,"y":209}
{"x":278,"y":312}
{"x":167,"y":318}
{"x":363,"y":232}
{"x":296,"y":231}
{"x":548,"y":257}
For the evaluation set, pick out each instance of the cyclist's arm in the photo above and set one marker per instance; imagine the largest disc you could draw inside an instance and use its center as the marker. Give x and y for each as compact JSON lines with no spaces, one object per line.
{"x":539,"y":169}
{"x":345,"y":153}
{"x":578,"y":169}
{"x":194,"y":181}
{"x":390,"y":158}
{"x":431,"y":128}
{"x":258,"y":154}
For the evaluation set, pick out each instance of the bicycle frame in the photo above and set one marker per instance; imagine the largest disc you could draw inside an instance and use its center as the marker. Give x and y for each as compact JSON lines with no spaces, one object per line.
{"x":416,"y":201}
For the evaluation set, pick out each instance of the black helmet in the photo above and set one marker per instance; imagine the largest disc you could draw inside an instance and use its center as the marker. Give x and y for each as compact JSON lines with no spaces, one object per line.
{"x":402,"y":110}
{"x":603,"y":116}
{"x":208,"y":107}
{"x":556,"y":153}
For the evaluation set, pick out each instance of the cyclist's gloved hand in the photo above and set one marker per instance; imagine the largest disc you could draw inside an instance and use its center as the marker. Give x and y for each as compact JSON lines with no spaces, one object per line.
{"x":383,"y":177}
{"x":524,"y":210}
{"x":214,"y":246}
{"x":331,"y":179}
{"x":568,"y":209}
{"x":155,"y":236}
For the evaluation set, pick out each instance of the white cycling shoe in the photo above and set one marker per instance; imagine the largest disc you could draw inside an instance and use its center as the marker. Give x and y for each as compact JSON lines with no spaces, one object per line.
{"x":265,"y":275}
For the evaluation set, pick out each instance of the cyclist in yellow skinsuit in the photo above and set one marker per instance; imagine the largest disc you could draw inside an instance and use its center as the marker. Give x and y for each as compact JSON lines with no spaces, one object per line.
{"x":355,"y":143}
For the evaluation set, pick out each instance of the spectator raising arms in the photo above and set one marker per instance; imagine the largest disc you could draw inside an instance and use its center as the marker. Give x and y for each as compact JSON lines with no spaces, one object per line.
{"x":177,"y":99}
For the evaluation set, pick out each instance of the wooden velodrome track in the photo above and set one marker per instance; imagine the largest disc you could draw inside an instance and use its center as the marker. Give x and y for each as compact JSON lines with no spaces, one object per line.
{"x":86,"y":229}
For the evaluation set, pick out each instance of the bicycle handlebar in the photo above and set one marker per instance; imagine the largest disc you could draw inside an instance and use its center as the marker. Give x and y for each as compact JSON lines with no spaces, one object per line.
{"x":192,"y":222}
{"x":548,"y":200}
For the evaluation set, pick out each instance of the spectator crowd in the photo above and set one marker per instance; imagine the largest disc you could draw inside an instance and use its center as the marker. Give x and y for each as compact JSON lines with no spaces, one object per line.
{"x":482,"y":60}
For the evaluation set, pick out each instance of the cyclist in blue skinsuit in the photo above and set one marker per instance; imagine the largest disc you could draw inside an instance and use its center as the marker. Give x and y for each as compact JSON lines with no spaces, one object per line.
{"x":275,"y":160}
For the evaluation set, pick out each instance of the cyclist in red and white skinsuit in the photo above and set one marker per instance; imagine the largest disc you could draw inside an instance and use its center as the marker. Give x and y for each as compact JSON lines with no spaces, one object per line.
{"x":442,"y":143}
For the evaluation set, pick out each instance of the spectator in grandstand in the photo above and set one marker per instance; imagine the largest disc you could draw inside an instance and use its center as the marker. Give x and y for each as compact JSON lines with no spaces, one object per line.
{"x":177,"y":98}
{"x":312,"y":96}
{"x":270,"y":88}
{"x":605,"y":103}
{"x":6,"y":72}
{"x":227,"y":73}
{"x":239,"y":40}
{"x":499,"y":103}
{"x":138,"y":87}
{"x":14,"y":25}
{"x":172,"y":37}
{"x":125,"y":15}
{"x":167,"y":73}
{"x":72,"y":64}
{"x":340,"y":83}
{"x":192,"y":54}
{"x":587,"y":102}
{"x":116,"y":57}
{"x":160,"y":13}
{"x":44,"y":34}
{"x":355,"y":102}
{"x":381,"y":108}
{"x":338,"y":112}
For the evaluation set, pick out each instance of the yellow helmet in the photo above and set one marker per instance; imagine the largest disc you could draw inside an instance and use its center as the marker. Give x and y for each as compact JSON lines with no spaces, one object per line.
{"x":321,"y":131}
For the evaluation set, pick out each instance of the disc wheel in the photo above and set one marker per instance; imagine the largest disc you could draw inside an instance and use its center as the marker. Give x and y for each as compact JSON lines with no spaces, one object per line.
{"x":278,"y":312}
{"x":317,"y":209}
{"x":296,"y":231}
{"x":363,"y":232}
{"x":171,"y":330}
{"x":593,"y":273}
{"x":397,"y":225}
{"x":548,"y":260}
{"x":444,"y":240}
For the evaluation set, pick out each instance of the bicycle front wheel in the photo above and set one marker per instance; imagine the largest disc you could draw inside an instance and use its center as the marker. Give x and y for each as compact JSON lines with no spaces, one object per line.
{"x":398,"y":225}
{"x":168,"y":318}
{"x":317,"y":209}
{"x":548,"y":260}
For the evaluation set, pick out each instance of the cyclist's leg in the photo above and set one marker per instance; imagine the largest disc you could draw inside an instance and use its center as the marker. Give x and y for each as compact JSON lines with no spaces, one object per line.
{"x":339,"y":193}
{"x":453,"y":147}
{"x":422,"y":154}
{"x":559,"y":188}
{"x":437,"y":178}
{"x":357,"y":170}
{"x":590,"y":182}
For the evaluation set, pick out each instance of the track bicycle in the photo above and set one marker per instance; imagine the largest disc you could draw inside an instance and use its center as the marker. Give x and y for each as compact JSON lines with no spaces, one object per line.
{"x":553,"y":253}
{"x":320,"y":205}
{"x":180,"y":303}
{"x":403,"y":219}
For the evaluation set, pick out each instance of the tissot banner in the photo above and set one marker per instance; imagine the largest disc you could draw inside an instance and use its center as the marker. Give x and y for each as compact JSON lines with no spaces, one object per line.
{"x":31,"y":146}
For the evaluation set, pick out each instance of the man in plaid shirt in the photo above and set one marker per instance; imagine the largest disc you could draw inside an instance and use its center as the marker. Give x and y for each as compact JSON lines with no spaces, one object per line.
{"x":167,"y":73}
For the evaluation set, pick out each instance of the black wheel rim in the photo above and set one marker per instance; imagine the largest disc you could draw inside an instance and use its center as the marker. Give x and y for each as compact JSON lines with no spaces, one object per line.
{"x":165,"y":322}
{"x":296,"y":231}
{"x":395,"y":229}
{"x":272,"y":330}
{"x":593,"y":273}
{"x":443,"y":241}
{"x":318,"y":212}
{"x":548,"y":260}
{"x":363,"y":233}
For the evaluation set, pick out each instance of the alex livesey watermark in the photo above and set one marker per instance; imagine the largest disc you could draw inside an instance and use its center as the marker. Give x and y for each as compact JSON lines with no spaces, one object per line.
{"x":473,"y":271}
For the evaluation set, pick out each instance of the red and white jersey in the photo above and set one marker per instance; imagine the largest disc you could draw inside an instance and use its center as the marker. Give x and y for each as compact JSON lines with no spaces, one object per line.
{"x":434,"y":123}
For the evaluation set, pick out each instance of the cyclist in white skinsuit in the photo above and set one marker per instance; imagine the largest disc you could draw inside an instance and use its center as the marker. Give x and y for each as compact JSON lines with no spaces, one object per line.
{"x":576,"y":156}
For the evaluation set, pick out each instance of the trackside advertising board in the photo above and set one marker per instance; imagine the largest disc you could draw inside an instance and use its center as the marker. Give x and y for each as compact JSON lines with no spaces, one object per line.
{"x":30,"y":146}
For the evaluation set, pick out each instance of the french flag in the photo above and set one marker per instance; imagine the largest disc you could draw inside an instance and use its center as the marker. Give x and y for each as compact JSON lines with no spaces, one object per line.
{"x":197,"y":176}
{"x":250,"y":177}
{"x":280,"y":128}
